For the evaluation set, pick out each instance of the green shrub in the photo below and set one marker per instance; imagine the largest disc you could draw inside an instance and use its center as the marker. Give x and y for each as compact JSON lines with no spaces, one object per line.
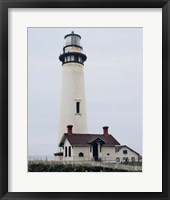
{"x":44,"y":167}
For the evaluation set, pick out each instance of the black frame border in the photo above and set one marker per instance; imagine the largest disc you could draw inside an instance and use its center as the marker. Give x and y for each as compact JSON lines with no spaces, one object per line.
{"x":4,"y":5}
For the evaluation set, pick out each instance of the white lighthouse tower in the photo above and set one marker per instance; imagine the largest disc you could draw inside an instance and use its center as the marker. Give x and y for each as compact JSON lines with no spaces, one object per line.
{"x":73,"y":104}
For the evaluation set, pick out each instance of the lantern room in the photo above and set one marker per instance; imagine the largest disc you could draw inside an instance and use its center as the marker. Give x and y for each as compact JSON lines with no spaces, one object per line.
{"x":72,"y":50}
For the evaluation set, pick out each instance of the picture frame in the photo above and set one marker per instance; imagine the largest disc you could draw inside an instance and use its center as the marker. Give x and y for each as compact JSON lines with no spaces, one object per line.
{"x":5,"y":4}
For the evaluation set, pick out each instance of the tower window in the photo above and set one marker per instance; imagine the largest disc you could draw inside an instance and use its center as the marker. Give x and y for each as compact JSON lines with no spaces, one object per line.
{"x":76,"y":58}
{"x":77,"y":107}
{"x":72,"y":58}
{"x":80,"y":59}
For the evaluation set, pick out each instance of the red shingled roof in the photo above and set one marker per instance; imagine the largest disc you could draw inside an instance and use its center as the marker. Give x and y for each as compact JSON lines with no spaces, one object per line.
{"x":87,"y":139}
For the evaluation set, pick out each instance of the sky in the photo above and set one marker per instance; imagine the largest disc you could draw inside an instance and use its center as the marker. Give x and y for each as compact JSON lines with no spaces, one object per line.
{"x":113,"y":84}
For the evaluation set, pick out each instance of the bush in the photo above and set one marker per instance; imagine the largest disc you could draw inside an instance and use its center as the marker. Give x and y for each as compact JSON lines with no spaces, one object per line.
{"x":43,"y":167}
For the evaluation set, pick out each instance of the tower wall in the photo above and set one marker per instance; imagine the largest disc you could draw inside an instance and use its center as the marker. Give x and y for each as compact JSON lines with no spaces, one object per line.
{"x":73,"y":91}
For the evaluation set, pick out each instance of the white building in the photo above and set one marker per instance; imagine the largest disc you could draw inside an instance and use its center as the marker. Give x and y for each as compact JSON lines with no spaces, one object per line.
{"x":94,"y":147}
{"x":124,"y":153}
{"x":80,"y":145}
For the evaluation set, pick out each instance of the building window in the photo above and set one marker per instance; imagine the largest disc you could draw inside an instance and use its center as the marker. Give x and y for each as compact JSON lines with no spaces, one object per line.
{"x":124,"y":151}
{"x":126,"y":159}
{"x":90,"y":148}
{"x":65,"y":151}
{"x":117,"y":159}
{"x":133,"y":159}
{"x":81,"y":154}
{"x":77,"y":107}
{"x":69,"y":151}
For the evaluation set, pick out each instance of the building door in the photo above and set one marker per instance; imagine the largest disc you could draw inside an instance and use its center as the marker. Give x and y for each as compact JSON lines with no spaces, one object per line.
{"x":95,"y":151}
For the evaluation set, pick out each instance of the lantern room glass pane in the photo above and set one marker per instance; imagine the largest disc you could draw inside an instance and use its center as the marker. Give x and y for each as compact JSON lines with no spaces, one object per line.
{"x":72,"y":40}
{"x":68,"y":40}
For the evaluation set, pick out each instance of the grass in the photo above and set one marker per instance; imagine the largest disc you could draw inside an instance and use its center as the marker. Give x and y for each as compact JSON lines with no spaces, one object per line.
{"x":133,"y":163}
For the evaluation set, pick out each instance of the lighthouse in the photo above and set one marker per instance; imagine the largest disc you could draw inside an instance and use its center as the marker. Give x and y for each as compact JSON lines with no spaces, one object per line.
{"x":73,"y":102}
{"x":74,"y":142}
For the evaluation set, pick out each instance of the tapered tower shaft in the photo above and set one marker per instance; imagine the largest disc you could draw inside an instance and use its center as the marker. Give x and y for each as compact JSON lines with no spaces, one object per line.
{"x":73,"y":103}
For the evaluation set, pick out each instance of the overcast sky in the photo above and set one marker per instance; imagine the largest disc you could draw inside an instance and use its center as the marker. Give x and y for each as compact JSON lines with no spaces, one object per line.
{"x":113,"y":84}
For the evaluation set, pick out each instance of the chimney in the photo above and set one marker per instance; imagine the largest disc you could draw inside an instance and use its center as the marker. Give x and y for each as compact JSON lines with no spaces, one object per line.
{"x":105,"y":130}
{"x":69,"y":129}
